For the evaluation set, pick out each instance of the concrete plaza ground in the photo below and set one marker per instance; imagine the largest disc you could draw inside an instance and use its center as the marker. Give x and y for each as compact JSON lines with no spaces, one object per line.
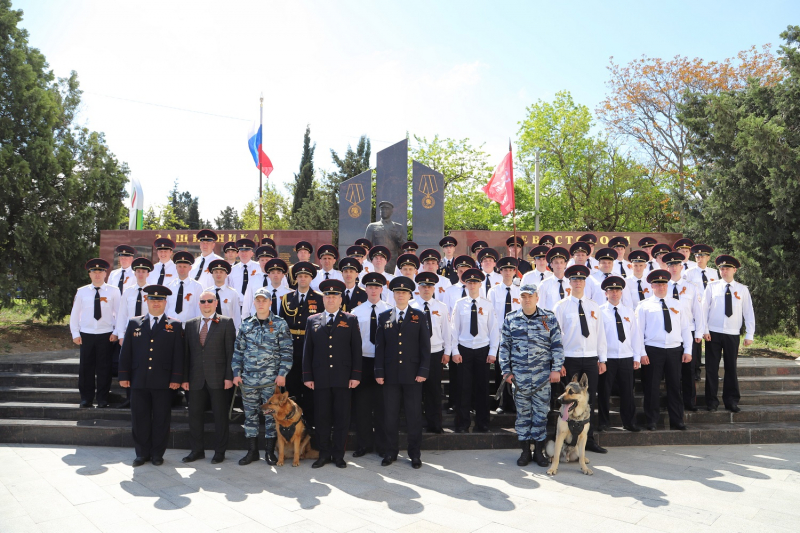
{"x":668,"y":488}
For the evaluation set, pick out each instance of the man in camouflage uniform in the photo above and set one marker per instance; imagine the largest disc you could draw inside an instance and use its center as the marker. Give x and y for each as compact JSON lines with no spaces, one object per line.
{"x":262,"y":357}
{"x":531,"y":356}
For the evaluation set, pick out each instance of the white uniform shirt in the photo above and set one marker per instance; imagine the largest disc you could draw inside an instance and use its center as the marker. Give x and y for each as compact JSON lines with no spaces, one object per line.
{"x":453,"y":294}
{"x":614,"y":348}
{"x":170,"y":273}
{"x":688,"y":292}
{"x":714,"y":309}
{"x":229,"y":303}
{"x":236,"y":277}
{"x":205,"y":279}
{"x":386,"y":294}
{"x":632,"y":290}
{"x":495,"y":278}
{"x":130,"y":278}
{"x":440,"y":324}
{"x":81,"y":318}
{"x":620,"y":267}
{"x":695,"y":276}
{"x":191,"y":299}
{"x":590,"y":262}
{"x":320,"y":277}
{"x":498,"y":298}
{"x":127,"y":308}
{"x":598,"y":294}
{"x":575,"y":344}
{"x":534,"y":277}
{"x":688,"y":265}
{"x":650,"y":326}
{"x":488,"y":327}
{"x":364,"y":314}
{"x":549,"y":294}
{"x":248,"y":302}
{"x":438,"y":290}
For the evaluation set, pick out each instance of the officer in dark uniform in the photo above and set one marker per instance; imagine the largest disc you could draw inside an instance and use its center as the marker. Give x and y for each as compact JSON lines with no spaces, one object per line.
{"x":353,"y":295}
{"x":151,"y":363}
{"x":516,"y":246}
{"x":476,"y":247}
{"x":303,"y":249}
{"x":447,"y":266}
{"x":269,"y":242}
{"x":296,"y":307}
{"x":547,"y":240}
{"x":332,"y":368}
{"x":402,"y":363}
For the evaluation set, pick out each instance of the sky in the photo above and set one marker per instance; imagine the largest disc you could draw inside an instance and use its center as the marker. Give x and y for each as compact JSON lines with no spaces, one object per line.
{"x":175,"y":85}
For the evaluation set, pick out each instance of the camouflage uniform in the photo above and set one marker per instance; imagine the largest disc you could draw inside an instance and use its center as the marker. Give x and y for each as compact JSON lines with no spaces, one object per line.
{"x":531,"y":349}
{"x":261,"y":354}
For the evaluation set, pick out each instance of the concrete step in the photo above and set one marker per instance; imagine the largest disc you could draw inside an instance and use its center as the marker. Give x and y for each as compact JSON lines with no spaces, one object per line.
{"x":715,"y":434}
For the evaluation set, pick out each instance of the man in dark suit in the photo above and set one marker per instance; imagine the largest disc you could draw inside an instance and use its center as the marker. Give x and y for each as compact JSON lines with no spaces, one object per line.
{"x":331,"y":368}
{"x":151,"y":363}
{"x":208,"y":341}
{"x":402,"y":363}
{"x":353,"y":295}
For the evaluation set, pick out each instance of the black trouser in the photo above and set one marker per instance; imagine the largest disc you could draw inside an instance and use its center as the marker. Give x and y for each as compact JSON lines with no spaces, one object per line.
{"x":220,"y":404}
{"x":432,"y":393}
{"x":368,"y":400}
{"x":588,"y":366}
{"x":115,"y":366}
{"x":663,"y":362}
{"x":725,"y":347}
{"x":294,"y":382}
{"x":619,"y":372}
{"x":151,"y":412}
{"x":454,"y":386}
{"x":473,"y":385}
{"x":410,"y":397}
{"x":95,"y":360}
{"x":697,"y":355}
{"x":332,"y":405}
{"x":688,"y":388}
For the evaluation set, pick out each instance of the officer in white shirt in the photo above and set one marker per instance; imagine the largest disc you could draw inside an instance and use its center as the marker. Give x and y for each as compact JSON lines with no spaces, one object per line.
{"x":700,"y":276}
{"x":659,"y":251}
{"x":274,"y":279}
{"x":429,"y":260}
{"x":515,"y":246}
{"x":438,"y":317}
{"x":366,"y":264}
{"x":92,"y":322}
{"x":646,"y":244}
{"x":589,"y":241}
{"x":184,"y":302}
{"x":636,"y":286}
{"x":555,"y":288}
{"x":606,"y":258}
{"x":244,"y":272}
{"x":230,"y":252}
{"x":133,"y":301}
{"x":122,"y":277}
{"x":163,"y":271}
{"x":540,"y":271}
{"x":227,"y":296}
{"x":487,"y":259}
{"x":407,"y":265}
{"x":622,"y":267}
{"x":580,"y":252}
{"x":379,"y":256}
{"x":684,"y":246}
{"x":620,"y":325}
{"x":547,"y":240}
{"x":358,"y":253}
{"x":505,"y":298}
{"x":726,"y":304}
{"x":368,"y":396}
{"x":327,"y":255}
{"x":455,"y":292}
{"x":664,"y":342}
{"x":474,"y":343}
{"x":200,"y":271}
{"x":476,"y":248}
{"x":584,"y":339}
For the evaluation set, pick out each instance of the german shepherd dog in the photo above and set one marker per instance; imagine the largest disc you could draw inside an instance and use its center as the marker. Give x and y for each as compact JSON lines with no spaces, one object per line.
{"x":291,"y":428}
{"x":572,"y":430}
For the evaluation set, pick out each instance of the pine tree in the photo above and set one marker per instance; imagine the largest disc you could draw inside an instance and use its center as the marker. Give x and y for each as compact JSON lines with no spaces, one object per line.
{"x":304,"y":181}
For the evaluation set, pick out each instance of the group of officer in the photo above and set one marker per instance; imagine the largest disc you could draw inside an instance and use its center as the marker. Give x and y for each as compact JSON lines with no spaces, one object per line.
{"x":345,"y":336}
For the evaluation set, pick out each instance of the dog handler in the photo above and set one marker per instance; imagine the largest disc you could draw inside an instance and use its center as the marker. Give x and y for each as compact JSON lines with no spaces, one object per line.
{"x":531,"y":355}
{"x":262,"y":357}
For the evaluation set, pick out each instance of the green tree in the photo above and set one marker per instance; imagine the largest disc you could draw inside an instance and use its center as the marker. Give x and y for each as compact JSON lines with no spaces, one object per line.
{"x":185,"y":206}
{"x":276,"y":210}
{"x":228,"y":219}
{"x":304,"y":180}
{"x":59,"y":183}
{"x":749,"y":143}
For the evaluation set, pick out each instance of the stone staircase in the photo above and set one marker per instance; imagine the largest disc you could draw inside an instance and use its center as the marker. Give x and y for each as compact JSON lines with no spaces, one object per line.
{"x":39,"y":404}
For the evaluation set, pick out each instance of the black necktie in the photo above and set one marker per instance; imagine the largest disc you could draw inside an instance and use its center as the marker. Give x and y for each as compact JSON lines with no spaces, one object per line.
{"x":622,"y":270}
{"x":121,"y":280}
{"x":675,"y":292}
{"x":428,"y":319}
{"x":473,"y":320}
{"x":373,"y":325}
{"x":728,"y":301}
{"x":686,"y":266}
{"x":582,"y":317}
{"x":330,"y":320}
{"x":302,"y":299}
{"x":542,"y":276}
{"x":219,"y":305}
{"x":620,"y":329}
{"x":400,"y":319}
{"x":508,"y":302}
{"x":265,"y":280}
{"x":275,"y":302}
{"x":651,"y":265}
{"x":155,"y":323}
{"x":244,"y":278}
{"x":327,"y":276}
{"x":138,"y":310}
{"x":200,"y":268}
{"x":561,"y":288}
{"x":463,"y":291}
{"x":161,"y":276}
{"x":488,"y":284}
{"x":347,"y":299}
{"x":606,"y":274}
{"x":705,"y":279}
{"x":179,"y":300}
{"x":98,"y":314}
{"x":449,"y":265}
{"x":641,"y":292}
{"x":667,"y":319}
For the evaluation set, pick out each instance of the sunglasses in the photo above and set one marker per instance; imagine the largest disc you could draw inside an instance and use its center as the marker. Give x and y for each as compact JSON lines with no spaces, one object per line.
{"x":211,"y":301}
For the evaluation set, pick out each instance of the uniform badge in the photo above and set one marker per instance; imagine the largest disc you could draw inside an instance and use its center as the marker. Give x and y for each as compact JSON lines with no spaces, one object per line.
{"x":630,"y":266}
{"x":342,"y":324}
{"x":736,"y":294}
{"x":225,"y":301}
{"x":104,"y":299}
{"x":441,"y":290}
{"x":627,"y":319}
{"x":414,"y":318}
{"x":436,"y":313}
{"x":683,"y":291}
{"x":168,"y":327}
{"x":188,"y":296}
{"x":253,"y":273}
{"x":388,"y":324}
{"x":480,"y":310}
{"x":593,"y":315}
{"x":128,"y":277}
{"x":544,"y":323}
{"x":515,"y":300}
{"x":168,"y":275}
{"x":673,"y":310}
{"x":569,"y":290}
{"x":645,"y":290}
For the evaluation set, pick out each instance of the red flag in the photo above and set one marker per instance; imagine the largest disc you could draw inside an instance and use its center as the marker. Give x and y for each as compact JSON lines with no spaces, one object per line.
{"x":501,"y":186}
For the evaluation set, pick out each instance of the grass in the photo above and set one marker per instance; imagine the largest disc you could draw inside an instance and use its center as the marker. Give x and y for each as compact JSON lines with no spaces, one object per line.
{"x":773,"y":345}
{"x":21,"y":312}
{"x":20,"y":332}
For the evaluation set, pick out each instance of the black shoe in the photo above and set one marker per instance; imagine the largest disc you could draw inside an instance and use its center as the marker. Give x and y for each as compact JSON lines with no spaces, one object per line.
{"x":340,"y":463}
{"x":592,"y":446}
{"x":632,"y":429}
{"x":461,"y":430}
{"x":252,"y":452}
{"x":416,"y":463}
{"x":602,"y":427}
{"x":480,"y":430}
{"x":525,"y":456}
{"x":651,"y":427}
{"x":499,"y":411}
{"x":691,"y":408}
{"x":139,"y":461}
{"x":538,"y":454}
{"x":361,"y":452}
{"x":269,"y":451}
{"x":711,"y":409}
{"x":124,"y":405}
{"x":450,"y":410}
{"x":734,"y":408}
{"x":158,"y":461}
{"x":322,"y":461}
{"x":218,"y":458}
{"x":194,"y":456}
{"x":85,"y":404}
{"x":388,"y":459}
{"x":102,"y":405}
{"x":678,"y":427}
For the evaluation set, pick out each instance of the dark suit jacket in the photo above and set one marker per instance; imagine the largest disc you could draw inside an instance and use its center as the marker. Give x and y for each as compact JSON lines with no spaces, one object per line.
{"x":357,"y":297}
{"x":152,"y":359}
{"x":332,"y":356}
{"x":402,"y":354}
{"x":212,"y":362}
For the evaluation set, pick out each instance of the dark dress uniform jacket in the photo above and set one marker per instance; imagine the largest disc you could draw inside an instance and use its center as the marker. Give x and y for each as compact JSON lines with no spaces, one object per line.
{"x":296,"y":315}
{"x":357,"y":297}
{"x":332,"y":356}
{"x":152,"y":359}
{"x":210,"y":363}
{"x":402,"y":354}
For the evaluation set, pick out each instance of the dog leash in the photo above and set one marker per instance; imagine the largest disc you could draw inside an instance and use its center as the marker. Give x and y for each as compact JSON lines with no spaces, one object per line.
{"x":514,"y":385}
{"x":232,"y":417}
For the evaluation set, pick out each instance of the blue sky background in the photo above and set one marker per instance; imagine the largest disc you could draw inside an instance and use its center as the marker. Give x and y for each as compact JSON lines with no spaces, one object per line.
{"x":347,"y":68}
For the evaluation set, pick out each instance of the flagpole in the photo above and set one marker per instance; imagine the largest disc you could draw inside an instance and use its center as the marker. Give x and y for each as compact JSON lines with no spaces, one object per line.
{"x":514,"y":211}
{"x":260,"y":174}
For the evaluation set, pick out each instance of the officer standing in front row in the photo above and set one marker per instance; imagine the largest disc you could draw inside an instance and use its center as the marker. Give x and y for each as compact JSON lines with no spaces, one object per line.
{"x":531,"y":355}
{"x":151,"y":363}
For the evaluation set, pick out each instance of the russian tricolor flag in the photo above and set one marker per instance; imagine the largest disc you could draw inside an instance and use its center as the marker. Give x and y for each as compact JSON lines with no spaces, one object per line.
{"x":255,"y":145}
